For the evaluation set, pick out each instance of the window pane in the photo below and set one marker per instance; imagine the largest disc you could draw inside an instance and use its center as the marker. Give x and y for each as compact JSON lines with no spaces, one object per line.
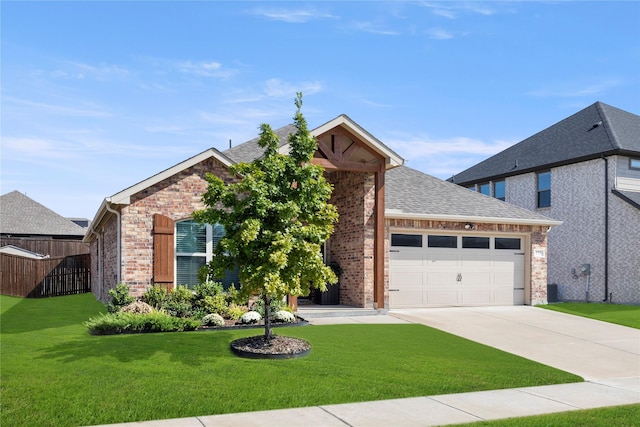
{"x":544,"y":181}
{"x":442,"y":241}
{"x":475,"y":242}
{"x":472,"y":188}
{"x":544,"y":199}
{"x":407,"y":240}
{"x":187,"y":269}
{"x":634,"y":163}
{"x":507,"y":243}
{"x":191,"y":237}
{"x":485,"y":189}
{"x":499,"y":190}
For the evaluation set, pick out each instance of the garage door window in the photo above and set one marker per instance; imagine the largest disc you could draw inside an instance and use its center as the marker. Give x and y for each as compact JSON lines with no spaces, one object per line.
{"x":507,"y":243}
{"x":475,"y":242}
{"x":407,"y":240}
{"x":442,"y":242}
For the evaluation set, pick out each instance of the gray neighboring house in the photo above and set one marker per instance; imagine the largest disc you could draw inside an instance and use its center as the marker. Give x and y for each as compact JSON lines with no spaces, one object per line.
{"x":27,"y":224}
{"x":584,"y":171}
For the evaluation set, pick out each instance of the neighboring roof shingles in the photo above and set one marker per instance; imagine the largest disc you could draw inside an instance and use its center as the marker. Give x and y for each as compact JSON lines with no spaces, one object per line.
{"x":599,"y":129}
{"x":21,"y":215}
{"x":631,"y":197}
{"x":250,"y":150}
{"x":412,"y":192}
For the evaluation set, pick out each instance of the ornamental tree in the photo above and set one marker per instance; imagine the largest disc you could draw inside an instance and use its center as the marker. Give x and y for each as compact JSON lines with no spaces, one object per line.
{"x":276,"y":216}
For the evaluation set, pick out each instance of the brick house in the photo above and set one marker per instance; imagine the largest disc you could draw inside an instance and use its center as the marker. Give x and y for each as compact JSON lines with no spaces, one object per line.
{"x":433,"y":244}
{"x":585,"y":171}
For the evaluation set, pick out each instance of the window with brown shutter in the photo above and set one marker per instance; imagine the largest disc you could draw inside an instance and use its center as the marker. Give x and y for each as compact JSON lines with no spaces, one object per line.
{"x":163,"y":255}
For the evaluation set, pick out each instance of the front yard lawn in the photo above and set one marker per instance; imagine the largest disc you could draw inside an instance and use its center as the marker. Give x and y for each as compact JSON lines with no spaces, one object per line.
{"x":54,"y":372}
{"x":626,"y":315}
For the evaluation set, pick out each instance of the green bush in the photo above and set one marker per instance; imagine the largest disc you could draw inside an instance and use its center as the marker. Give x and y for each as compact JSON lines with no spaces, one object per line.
{"x":119,"y":298}
{"x":215,"y":304}
{"x":118,"y":323}
{"x":276,"y":305}
{"x":208,"y":288}
{"x":155,"y":296}
{"x":234,"y":312}
{"x":179,"y":302}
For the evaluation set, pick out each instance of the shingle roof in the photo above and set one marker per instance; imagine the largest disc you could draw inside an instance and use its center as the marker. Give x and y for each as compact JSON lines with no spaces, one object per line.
{"x":250,"y":150}
{"x":598,"y":130}
{"x":412,"y":193}
{"x":21,"y":215}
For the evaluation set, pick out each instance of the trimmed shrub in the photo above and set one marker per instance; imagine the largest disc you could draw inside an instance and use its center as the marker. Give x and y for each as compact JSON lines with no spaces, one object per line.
{"x":157,"y":321}
{"x":119,"y":298}
{"x":234,"y":312}
{"x":284,"y":316}
{"x":155,"y":296}
{"x":213,"y":319}
{"x":250,"y":317}
{"x":215,"y":304}
{"x":179,"y":302}
{"x":139,"y":307}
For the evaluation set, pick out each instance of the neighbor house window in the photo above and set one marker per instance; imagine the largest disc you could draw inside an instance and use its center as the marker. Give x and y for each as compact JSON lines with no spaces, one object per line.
{"x":634,"y":164}
{"x":544,"y":189}
{"x":499,"y":190}
{"x":485,"y":188}
{"x":194,"y":248}
{"x":407,"y":240}
{"x":472,"y":187}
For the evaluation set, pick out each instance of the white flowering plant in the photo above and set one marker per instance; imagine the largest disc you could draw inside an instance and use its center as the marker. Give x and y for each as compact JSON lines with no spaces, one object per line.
{"x":213,"y":319}
{"x":284,"y":316}
{"x":250,"y":317}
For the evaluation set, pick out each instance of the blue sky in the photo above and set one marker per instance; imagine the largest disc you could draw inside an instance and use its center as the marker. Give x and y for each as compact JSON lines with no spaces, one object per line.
{"x":97,"y":96}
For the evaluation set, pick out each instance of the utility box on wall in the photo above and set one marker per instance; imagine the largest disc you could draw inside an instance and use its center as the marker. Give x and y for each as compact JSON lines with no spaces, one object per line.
{"x":552,"y":293}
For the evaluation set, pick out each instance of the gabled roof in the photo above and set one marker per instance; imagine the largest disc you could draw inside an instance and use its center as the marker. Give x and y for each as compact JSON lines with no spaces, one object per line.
{"x":250,"y":150}
{"x":598,"y":130}
{"x":412,"y":194}
{"x":124,"y":196}
{"x":22,"y":215}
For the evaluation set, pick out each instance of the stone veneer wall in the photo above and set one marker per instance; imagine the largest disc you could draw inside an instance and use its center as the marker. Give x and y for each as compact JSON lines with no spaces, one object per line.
{"x":351,"y":244}
{"x":538,"y":241}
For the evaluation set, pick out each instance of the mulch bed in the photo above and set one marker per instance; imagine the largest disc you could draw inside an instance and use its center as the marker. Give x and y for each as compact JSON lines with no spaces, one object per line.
{"x":278,"y":347}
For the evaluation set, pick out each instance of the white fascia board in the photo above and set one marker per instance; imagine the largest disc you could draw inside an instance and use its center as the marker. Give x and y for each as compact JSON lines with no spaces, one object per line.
{"x":124,"y":197}
{"x":476,"y":219}
{"x":343,"y":120}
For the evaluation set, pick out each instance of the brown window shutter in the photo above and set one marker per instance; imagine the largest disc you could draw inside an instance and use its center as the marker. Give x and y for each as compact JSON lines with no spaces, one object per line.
{"x":163,"y":251}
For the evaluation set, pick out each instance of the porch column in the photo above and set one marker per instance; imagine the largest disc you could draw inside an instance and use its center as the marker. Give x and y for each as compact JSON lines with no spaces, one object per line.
{"x":378,"y":245}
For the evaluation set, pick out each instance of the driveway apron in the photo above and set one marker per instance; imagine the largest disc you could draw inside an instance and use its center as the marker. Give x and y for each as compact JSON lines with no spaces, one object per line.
{"x":592,"y":349}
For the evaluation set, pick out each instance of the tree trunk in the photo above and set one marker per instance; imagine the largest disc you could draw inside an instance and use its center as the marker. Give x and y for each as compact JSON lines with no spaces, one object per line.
{"x":267,"y":317}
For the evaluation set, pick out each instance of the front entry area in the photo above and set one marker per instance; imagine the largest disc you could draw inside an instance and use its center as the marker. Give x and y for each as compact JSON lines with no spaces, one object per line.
{"x":438,"y":270}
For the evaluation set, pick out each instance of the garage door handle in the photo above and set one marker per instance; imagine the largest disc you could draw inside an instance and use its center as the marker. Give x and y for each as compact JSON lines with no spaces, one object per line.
{"x":394,"y":290}
{"x":394,"y":250}
{"x":459,"y":278}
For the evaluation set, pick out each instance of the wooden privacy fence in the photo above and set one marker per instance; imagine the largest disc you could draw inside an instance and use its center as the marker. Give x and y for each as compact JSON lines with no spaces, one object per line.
{"x":37,"y":278}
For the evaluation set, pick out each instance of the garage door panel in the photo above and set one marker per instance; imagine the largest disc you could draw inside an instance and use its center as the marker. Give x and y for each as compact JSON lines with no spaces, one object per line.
{"x":407,"y":258}
{"x":442,"y":259}
{"x":411,"y":298}
{"x":441,"y":278}
{"x":406,"y":279}
{"x":503,"y":278}
{"x":477,"y":278}
{"x":503,"y":297}
{"x":447,"y":298}
{"x":475,"y":259}
{"x":476,"y":297}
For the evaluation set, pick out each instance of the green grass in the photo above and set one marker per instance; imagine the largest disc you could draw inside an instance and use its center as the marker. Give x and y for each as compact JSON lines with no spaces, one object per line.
{"x":55,"y":373}
{"x":616,"y":416}
{"x":626,"y":315}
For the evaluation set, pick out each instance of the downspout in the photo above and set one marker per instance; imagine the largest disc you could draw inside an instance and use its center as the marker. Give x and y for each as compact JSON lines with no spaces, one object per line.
{"x":606,"y":228}
{"x":118,"y":249}
{"x":99,"y":254}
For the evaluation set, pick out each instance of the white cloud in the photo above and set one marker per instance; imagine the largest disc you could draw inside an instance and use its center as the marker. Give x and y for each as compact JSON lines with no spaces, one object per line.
{"x":370,"y":27}
{"x":294,"y":16}
{"x":205,"y":69}
{"x":98,"y":72}
{"x":440,"y":34}
{"x":279,"y":89}
{"x":444,"y":157}
{"x":86,"y":110}
{"x":573,"y":90}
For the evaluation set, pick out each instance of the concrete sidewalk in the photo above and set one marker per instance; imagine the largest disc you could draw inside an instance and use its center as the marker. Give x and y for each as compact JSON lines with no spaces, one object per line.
{"x":607,"y":355}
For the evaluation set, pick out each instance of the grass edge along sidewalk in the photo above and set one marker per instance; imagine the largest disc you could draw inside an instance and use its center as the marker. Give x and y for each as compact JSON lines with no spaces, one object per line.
{"x":55,"y":373}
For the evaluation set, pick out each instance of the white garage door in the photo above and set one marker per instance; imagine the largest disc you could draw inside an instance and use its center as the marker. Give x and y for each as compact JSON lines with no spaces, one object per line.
{"x":429,"y":270}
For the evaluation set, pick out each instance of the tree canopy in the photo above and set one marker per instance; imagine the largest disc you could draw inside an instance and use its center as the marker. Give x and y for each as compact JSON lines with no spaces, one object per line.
{"x":276,"y":215}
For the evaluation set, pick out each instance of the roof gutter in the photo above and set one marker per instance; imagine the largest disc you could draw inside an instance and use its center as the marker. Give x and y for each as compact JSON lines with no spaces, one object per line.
{"x":472,"y":218}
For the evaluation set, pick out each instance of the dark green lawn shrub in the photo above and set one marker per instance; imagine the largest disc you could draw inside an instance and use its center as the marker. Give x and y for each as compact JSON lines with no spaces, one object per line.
{"x":119,"y":298}
{"x":179,"y":302}
{"x":155,"y":296}
{"x":118,"y":323}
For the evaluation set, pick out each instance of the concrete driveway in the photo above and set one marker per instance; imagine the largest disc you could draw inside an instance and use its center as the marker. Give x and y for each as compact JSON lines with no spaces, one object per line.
{"x":589,"y":348}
